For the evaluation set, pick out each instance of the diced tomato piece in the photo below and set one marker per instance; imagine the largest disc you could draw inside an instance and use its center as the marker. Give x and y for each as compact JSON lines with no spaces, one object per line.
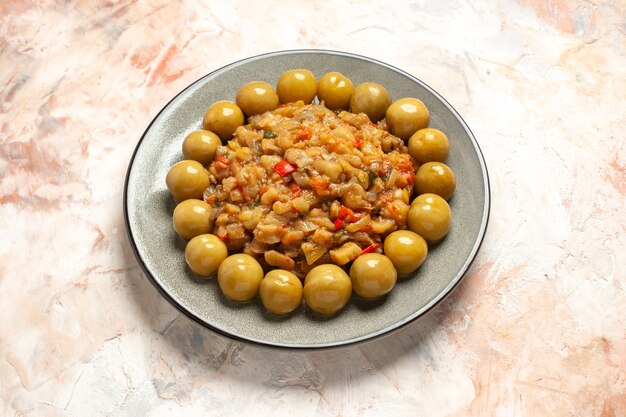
{"x":357,"y":216}
{"x":223,"y":159}
{"x":386,"y":165}
{"x":338,"y":222}
{"x":305,"y":133}
{"x":219,"y":166}
{"x":295,"y":190}
{"x":392,"y":208}
{"x":357,"y":141}
{"x":319,"y":185}
{"x":345,"y":212}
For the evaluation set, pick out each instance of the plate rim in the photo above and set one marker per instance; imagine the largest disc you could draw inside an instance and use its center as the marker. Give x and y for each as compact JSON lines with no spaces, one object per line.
{"x":445,"y":292}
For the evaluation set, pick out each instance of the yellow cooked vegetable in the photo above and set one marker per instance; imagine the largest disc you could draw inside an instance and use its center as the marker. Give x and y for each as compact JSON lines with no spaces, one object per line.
{"x":239,"y":277}
{"x":256,"y":97}
{"x":223,"y":118}
{"x":373,"y":275}
{"x":371,"y":99}
{"x":335,"y":90}
{"x":192,"y":218}
{"x":436,"y":178}
{"x":406,"y":116}
{"x":297,"y":84}
{"x":187,"y":179}
{"x":281,"y":291}
{"x":406,"y":250}
{"x":201,"y":146}
{"x":429,"y":145}
{"x":204,"y":254}
{"x":430,"y":217}
{"x":327,"y":289}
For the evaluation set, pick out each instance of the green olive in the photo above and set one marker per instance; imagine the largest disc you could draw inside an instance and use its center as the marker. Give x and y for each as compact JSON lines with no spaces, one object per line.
{"x":428,"y":145}
{"x":406,"y":250}
{"x":205,"y":253}
{"x":430,"y":217}
{"x":256,"y":97}
{"x":406,"y":116}
{"x":327,"y":289}
{"x":239,"y":277}
{"x":192,"y":218}
{"x":436,"y":178}
{"x":297,"y":84}
{"x":371,"y":99}
{"x":335,"y":90}
{"x":223,"y":118}
{"x":187,"y":179}
{"x":201,"y":146}
{"x":373,"y":275}
{"x":281,"y":291}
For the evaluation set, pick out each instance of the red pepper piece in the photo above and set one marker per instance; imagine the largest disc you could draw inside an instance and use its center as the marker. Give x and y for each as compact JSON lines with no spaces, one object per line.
{"x":369,"y":249}
{"x":345,"y":212}
{"x":338,"y":222}
{"x":284,"y":168}
{"x":357,"y":141}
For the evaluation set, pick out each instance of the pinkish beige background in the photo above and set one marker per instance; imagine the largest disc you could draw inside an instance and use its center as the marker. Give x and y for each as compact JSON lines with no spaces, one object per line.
{"x":536,"y":329}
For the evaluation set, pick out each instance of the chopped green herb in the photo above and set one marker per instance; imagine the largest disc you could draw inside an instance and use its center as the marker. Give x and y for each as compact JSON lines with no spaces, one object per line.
{"x":269,"y":134}
{"x":371,"y":175}
{"x":385,"y":175}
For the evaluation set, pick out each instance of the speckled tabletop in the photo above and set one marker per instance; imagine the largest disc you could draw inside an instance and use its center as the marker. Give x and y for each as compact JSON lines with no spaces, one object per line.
{"x":536,"y":328}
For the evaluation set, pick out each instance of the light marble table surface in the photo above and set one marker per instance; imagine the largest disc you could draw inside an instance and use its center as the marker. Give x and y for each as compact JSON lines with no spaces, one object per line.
{"x":537,"y":328}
